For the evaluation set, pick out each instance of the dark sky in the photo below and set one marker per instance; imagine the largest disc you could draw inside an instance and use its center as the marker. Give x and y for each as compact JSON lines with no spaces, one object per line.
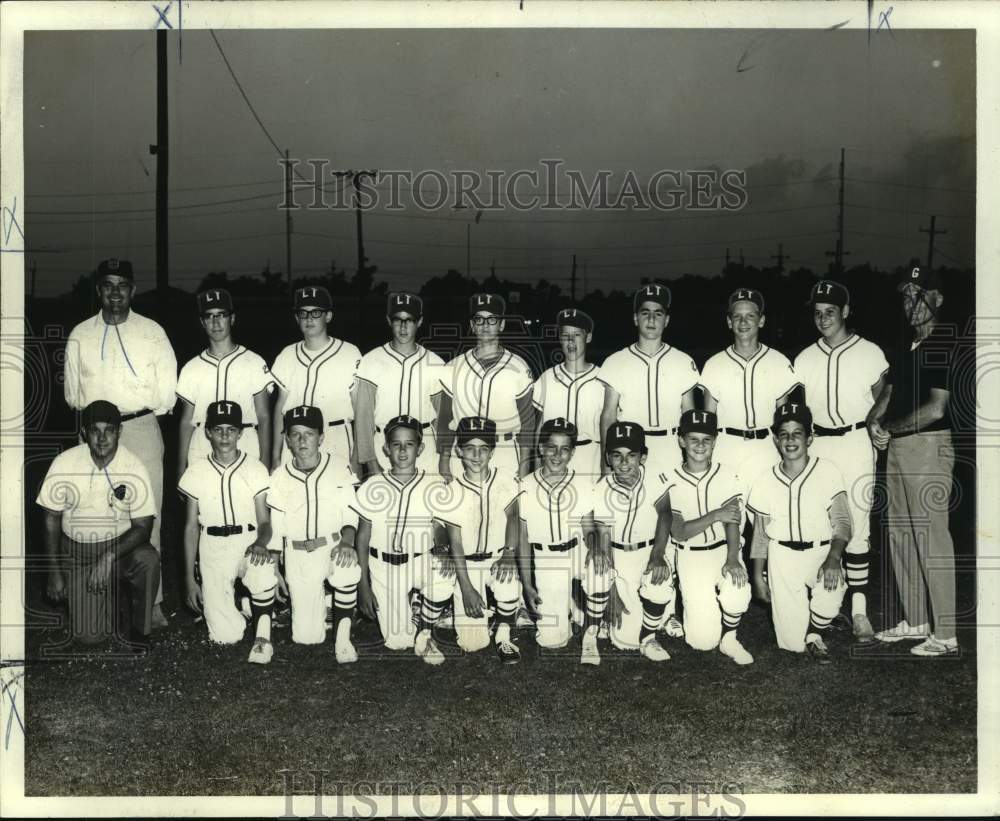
{"x":903,"y":106}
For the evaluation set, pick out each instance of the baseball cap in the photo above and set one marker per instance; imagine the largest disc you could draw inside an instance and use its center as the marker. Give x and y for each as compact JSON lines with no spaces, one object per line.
{"x":698,"y":421}
{"x":575,"y":318}
{"x":100,"y":410}
{"x":829,"y":292}
{"x":626,"y":435}
{"x":476,"y":427}
{"x":214,"y":299}
{"x":651,"y":293}
{"x":404,"y":421}
{"x":491,"y":303}
{"x":305,"y":415}
{"x":404,"y":303}
{"x":224,"y":413}
{"x":747,"y":295}
{"x":922,"y":277}
{"x":115,"y":267}
{"x":557,"y":425}
{"x":313,"y":296}
{"x":793,"y":412}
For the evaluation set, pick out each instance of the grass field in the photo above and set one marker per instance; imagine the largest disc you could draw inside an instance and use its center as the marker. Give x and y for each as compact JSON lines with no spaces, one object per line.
{"x":194,"y":718}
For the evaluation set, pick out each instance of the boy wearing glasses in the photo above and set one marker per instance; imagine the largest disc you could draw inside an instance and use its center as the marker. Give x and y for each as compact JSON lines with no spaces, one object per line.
{"x":491,"y":382}
{"x":223,"y":372}
{"x":399,"y":378}
{"x":318,"y":372}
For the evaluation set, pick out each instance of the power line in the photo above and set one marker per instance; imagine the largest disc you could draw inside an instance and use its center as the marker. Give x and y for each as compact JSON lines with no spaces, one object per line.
{"x":911,"y":211}
{"x":912,"y":185}
{"x":148,"y":191}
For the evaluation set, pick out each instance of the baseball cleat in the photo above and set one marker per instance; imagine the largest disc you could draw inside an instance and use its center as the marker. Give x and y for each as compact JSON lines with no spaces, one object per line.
{"x":603,"y":632}
{"x":426,"y":648}
{"x":904,"y":632}
{"x":674,"y":628}
{"x":653,"y":650}
{"x":523,"y":620}
{"x":934,"y":646}
{"x":863,"y":630}
{"x":345,"y":653}
{"x":818,"y":651}
{"x":730,"y":646}
{"x":589,"y":654}
{"x":507,"y":652}
{"x":159,"y":621}
{"x":262,"y":652}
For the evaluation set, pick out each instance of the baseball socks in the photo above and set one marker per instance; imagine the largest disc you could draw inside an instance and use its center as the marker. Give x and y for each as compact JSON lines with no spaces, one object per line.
{"x":506,"y":649}
{"x":652,"y":616}
{"x":424,"y":645}
{"x":815,"y":645}
{"x":729,"y":645}
{"x":344,"y":601}
{"x":595,"y":603}
{"x":856,"y":569}
{"x":261,"y":606}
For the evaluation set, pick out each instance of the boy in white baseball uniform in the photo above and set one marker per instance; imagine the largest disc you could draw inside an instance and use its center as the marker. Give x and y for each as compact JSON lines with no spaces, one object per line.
{"x":400,"y":378}
{"x":574,"y":391}
{"x":704,"y":497}
{"x":557,"y":524}
{"x":842,"y":374}
{"x":313,"y":520}
{"x":803,"y":526}
{"x":627,"y":515}
{"x":224,"y":371}
{"x":228,"y":528}
{"x":400,"y":511}
{"x":491,"y":382}
{"x":483,"y":542}
{"x":319,"y":372}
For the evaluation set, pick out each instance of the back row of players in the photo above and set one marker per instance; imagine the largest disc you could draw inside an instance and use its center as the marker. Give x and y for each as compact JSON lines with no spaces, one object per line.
{"x":448,"y":447}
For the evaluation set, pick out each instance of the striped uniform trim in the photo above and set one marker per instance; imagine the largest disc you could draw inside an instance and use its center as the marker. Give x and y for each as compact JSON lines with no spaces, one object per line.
{"x":730,"y":621}
{"x":554,"y":494}
{"x":313,"y":366}
{"x":486,"y":376}
{"x":430,"y":612}
{"x":311,"y":481}
{"x":818,"y":623}
{"x":483,"y":493}
{"x":833,"y":356}
{"x":749,"y":369}
{"x":856,"y":569}
{"x":795,"y":487}
{"x":345,"y":598}
{"x":595,"y":603}
{"x":574,"y":383}
{"x":652,"y":364}
{"x":636,"y":496}
{"x":403,"y":507}
{"x":226,"y":473}
{"x":652,"y":616}
{"x":407,"y":368}
{"x":702,"y":484}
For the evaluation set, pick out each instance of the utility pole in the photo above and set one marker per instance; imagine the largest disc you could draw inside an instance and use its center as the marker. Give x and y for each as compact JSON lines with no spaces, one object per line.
{"x":931,"y":232}
{"x":288,"y":221}
{"x":162,"y":166}
{"x":356,"y":177}
{"x":839,"y":254}
{"x":781,"y":256}
{"x":572,"y":281}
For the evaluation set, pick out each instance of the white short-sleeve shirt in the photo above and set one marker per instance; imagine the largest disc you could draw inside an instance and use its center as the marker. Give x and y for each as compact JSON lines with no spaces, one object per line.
{"x":747,"y":389}
{"x":490,"y":392}
{"x":310,"y":505}
{"x":97,"y":504}
{"x":237,"y":377}
{"x":403,"y":385}
{"x":693,"y":495}
{"x":577,"y":397}
{"x":650,"y":387}
{"x":554,"y":511}
{"x":402,"y":514}
{"x":799,"y":508}
{"x":482,"y":510}
{"x":225,"y":494}
{"x":322,"y":379}
{"x":839,"y":380}
{"x":630,"y":512}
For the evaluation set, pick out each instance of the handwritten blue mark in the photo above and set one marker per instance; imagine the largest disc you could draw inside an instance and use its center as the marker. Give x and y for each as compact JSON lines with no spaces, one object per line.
{"x":9,"y":224}
{"x":10,"y":690}
{"x":163,"y":15}
{"x":883,"y":20}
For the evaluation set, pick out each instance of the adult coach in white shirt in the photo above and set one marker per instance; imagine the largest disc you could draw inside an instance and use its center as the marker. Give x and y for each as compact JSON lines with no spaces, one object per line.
{"x":126,"y":359}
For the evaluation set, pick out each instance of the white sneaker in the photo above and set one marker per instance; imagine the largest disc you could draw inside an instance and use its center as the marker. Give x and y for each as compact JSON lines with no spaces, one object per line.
{"x":904,"y":632}
{"x":603,"y":632}
{"x":674,"y":628}
{"x":426,"y":648}
{"x":934,"y":646}
{"x":730,"y":646}
{"x":262,"y":652}
{"x":345,"y":652}
{"x":589,"y":655}
{"x":653,"y":650}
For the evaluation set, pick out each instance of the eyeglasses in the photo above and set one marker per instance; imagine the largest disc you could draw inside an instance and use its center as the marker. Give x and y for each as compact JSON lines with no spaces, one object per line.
{"x":479,"y":321}
{"x":315,"y":313}
{"x":403,"y":320}
{"x":220,"y":315}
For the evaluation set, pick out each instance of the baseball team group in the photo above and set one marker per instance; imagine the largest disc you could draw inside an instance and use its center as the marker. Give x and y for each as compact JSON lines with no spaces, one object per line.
{"x":619,"y":502}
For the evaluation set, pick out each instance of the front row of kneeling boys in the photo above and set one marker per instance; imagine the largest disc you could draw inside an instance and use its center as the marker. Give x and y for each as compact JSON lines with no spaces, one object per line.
{"x":622,"y":539}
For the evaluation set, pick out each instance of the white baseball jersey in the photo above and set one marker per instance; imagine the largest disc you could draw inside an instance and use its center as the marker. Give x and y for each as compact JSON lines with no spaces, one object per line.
{"x":402,"y":514}
{"x":403,"y":385}
{"x":322,"y":379}
{"x":490,"y":392}
{"x":236,"y":377}
{"x":630,"y":512}
{"x":225,"y":493}
{"x":693,"y":495}
{"x":481,"y":510}
{"x":838,"y":380}
{"x":310,"y":505}
{"x":554,"y":511}
{"x":97,"y":504}
{"x":747,"y":389}
{"x":576,"y":397}
{"x":799,"y":508}
{"x":650,"y":387}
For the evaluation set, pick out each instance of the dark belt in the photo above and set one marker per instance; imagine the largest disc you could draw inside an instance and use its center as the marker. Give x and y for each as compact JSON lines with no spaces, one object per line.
{"x":423,"y":426}
{"x":701,"y":546}
{"x":247,"y":425}
{"x":334,"y":424}
{"x":804,"y":545}
{"x":582,"y":442}
{"x":391,"y":558}
{"x":661,"y":432}
{"x":479,"y":557}
{"x":555,"y":548}
{"x":310,"y":544}
{"x":129,"y":416}
{"x":819,"y":430}
{"x":628,"y":548}
{"x":757,"y":433}
{"x":227,"y":530}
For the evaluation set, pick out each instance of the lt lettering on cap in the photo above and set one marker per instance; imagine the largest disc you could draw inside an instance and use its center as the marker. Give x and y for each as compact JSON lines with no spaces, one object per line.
{"x":743,"y":294}
{"x":791,"y":408}
{"x":624,"y":431}
{"x":212,"y":296}
{"x":915,"y":273}
{"x":226,"y":407}
{"x":298,"y":413}
{"x":482,"y":300}
{"x":113,"y":264}
{"x":699,"y":418}
{"x":824,"y":288}
{"x":476,"y":424}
